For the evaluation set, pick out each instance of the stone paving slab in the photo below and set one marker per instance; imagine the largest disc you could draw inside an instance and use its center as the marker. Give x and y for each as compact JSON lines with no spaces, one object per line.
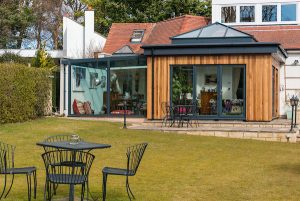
{"x":223,"y":129}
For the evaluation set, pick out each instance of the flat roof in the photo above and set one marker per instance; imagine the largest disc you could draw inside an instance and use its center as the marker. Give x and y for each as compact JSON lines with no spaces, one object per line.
{"x":214,"y":49}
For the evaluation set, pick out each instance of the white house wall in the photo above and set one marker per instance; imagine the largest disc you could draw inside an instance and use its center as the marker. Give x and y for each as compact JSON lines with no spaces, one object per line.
{"x":73,"y":39}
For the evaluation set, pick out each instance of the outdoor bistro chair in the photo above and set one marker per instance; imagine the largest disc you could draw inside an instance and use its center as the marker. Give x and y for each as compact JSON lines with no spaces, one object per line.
{"x":72,"y":174}
{"x":168,"y":114}
{"x":61,"y":138}
{"x":7,"y":167}
{"x":134,"y":157}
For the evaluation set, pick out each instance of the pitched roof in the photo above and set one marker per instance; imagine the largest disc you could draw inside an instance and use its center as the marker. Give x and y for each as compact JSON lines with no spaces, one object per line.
{"x":287,"y":35}
{"x":155,"y":33}
{"x":120,"y":35}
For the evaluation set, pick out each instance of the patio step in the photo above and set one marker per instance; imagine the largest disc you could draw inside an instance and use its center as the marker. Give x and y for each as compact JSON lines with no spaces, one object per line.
{"x":277,"y":134}
{"x":279,"y":123}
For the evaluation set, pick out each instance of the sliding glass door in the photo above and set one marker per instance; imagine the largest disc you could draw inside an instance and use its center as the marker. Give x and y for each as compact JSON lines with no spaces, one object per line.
{"x":217,"y":90}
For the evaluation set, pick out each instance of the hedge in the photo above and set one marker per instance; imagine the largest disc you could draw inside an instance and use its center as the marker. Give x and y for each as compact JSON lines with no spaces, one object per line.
{"x":24,"y":92}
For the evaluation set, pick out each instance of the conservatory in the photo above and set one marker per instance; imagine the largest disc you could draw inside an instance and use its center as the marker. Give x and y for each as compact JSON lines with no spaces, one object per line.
{"x":95,"y":87}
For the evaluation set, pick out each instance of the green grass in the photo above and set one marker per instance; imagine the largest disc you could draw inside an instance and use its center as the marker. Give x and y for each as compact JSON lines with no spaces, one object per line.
{"x":174,"y":168}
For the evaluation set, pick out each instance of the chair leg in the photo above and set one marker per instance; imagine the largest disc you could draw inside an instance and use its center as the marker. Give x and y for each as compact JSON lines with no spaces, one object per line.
{"x":35,"y":184}
{"x":104,"y":186}
{"x":28,"y":179}
{"x":129,"y":190}
{"x":82,"y":191}
{"x":11,"y":184}
{"x":46,"y":193}
{"x":87,"y":189}
{"x":4,"y":187}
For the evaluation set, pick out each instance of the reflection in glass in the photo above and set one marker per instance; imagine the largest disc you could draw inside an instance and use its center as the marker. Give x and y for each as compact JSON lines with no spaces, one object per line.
{"x":182,"y":85}
{"x":232,"y":90}
{"x":89,"y":83}
{"x":247,"y":13}
{"x":288,"y":12}
{"x":228,"y":14}
{"x":269,"y":13}
{"x":128,"y":83}
{"x":206,"y":89}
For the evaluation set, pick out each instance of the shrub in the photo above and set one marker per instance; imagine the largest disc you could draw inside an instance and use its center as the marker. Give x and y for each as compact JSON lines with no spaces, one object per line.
{"x":24,"y":92}
{"x":14,"y":58}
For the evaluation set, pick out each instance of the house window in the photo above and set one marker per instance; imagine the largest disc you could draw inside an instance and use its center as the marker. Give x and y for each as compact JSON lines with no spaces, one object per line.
{"x":137,"y":36}
{"x":269,"y":13}
{"x":288,"y":12}
{"x":228,"y":14}
{"x":247,"y":13}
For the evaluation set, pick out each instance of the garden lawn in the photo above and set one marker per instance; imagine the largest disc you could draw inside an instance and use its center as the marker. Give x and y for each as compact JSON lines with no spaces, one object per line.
{"x":174,"y":168}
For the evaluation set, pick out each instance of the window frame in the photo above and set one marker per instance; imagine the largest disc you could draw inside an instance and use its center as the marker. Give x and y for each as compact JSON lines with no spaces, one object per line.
{"x":236,"y":13}
{"x":135,"y":39}
{"x":287,"y":4}
{"x":278,"y":6}
{"x":240,"y":16}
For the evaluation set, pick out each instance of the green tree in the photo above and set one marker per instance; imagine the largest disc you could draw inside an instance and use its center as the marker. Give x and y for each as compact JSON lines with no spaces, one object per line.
{"x":16,"y":16}
{"x":44,"y":60}
{"x":109,"y":11}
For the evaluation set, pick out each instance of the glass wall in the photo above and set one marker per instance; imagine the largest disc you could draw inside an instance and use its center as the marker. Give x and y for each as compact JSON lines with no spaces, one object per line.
{"x":182,"y":85}
{"x":217,"y":91}
{"x":88,"y":88}
{"x":100,"y":87}
{"x":128,"y":81}
{"x":206,"y":89}
{"x":233,"y":90}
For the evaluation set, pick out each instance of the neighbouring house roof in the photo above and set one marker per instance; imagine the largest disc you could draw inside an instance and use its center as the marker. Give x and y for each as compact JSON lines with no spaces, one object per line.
{"x":286,"y":35}
{"x":121,"y":33}
{"x":155,"y":33}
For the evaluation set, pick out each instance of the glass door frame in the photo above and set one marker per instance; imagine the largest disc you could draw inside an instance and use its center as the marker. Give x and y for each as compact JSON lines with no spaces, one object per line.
{"x":219,"y":115}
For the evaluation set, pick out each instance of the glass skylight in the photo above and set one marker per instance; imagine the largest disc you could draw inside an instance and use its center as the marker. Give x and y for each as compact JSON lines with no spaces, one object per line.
{"x":216,"y":30}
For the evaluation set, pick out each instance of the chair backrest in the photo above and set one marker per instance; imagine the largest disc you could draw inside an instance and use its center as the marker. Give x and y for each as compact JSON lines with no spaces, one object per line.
{"x":68,"y":164}
{"x":57,"y":138}
{"x":6,"y":156}
{"x":164,"y":108}
{"x":134,"y":157}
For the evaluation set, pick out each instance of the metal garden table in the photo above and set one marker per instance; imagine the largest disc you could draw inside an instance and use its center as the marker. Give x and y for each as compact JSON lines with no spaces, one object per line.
{"x":80,"y":146}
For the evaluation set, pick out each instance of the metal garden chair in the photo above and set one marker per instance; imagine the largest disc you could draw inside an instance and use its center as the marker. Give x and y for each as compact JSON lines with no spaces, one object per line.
{"x":168,"y":113}
{"x":59,"y":173}
{"x":7,"y":167}
{"x":60,"y":138}
{"x":134,"y":157}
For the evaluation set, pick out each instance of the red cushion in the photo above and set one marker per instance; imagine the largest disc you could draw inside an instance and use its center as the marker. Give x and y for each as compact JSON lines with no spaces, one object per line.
{"x":78,"y":107}
{"x":87,"y":107}
{"x":75,"y":107}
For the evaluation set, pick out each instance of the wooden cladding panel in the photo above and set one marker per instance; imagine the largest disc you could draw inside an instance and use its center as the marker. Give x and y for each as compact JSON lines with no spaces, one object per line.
{"x":258,"y":81}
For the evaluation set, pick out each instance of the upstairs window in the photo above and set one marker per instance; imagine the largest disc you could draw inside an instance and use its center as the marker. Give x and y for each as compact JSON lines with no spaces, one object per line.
{"x":137,"y":36}
{"x":269,"y":13}
{"x":288,"y":12}
{"x":247,"y":13}
{"x":228,"y":14}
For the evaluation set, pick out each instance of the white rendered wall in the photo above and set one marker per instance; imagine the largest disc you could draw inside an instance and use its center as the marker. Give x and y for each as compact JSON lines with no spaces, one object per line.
{"x":73,"y":39}
{"x":57,"y":54}
{"x":217,"y":4}
{"x":81,"y":41}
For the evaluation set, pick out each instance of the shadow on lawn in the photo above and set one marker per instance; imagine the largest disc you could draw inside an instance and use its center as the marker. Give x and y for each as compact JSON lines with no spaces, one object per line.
{"x":291,"y":168}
